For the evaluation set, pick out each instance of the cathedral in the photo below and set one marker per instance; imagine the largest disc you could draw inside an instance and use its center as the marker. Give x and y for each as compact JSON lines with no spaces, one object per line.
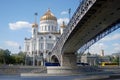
{"x":44,"y":37}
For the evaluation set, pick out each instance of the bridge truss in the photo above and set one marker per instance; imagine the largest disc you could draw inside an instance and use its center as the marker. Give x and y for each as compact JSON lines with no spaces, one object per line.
{"x":99,"y":36}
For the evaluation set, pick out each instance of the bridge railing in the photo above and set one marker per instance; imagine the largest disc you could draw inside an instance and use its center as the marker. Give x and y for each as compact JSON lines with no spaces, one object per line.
{"x":77,"y":16}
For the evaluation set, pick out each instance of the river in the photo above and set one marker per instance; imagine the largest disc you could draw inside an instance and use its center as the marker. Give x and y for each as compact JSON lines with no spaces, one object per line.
{"x":17,"y":77}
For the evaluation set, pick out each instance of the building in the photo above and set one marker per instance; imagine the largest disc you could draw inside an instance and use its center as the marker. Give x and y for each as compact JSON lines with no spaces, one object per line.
{"x":116,"y":54}
{"x":102,"y":53}
{"x":91,"y":59}
{"x":44,"y":36}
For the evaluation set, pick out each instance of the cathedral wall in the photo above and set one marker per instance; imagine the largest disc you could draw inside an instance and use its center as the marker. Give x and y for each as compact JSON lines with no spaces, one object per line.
{"x":48,"y":26}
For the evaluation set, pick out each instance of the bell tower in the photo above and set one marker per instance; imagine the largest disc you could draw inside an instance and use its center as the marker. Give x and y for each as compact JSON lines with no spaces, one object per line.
{"x":35,"y":27}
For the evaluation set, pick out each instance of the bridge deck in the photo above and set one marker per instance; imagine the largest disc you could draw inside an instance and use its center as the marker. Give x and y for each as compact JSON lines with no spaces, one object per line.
{"x":99,"y":17}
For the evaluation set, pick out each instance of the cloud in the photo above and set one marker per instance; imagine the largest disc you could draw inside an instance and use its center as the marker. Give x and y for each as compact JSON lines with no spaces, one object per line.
{"x":1,"y":47}
{"x":112,"y":37}
{"x":19,"y":25}
{"x":64,"y":12}
{"x":116,"y":47}
{"x":60,"y":20}
{"x":11,"y":43}
{"x":97,"y":47}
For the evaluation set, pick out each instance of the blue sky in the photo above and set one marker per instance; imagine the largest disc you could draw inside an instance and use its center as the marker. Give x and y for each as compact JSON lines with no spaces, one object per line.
{"x":16,"y":17}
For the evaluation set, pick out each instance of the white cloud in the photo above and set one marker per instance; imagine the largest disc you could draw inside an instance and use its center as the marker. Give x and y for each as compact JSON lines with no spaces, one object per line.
{"x":112,"y":37}
{"x":19,"y":25}
{"x":1,"y":47}
{"x":116,"y":47}
{"x":97,"y":47}
{"x":11,"y":43}
{"x":64,"y":12}
{"x":60,"y":20}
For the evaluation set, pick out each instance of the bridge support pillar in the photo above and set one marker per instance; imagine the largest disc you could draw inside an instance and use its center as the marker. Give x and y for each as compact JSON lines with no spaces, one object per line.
{"x":68,"y":59}
{"x":68,"y":65}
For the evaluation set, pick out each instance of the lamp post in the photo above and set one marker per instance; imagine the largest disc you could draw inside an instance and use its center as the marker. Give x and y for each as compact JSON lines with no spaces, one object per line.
{"x":34,"y":56}
{"x":33,"y":59}
{"x":69,"y":11}
{"x":35,"y":40}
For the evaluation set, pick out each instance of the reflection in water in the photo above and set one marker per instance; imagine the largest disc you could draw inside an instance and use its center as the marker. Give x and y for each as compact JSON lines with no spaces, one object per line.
{"x":17,"y":77}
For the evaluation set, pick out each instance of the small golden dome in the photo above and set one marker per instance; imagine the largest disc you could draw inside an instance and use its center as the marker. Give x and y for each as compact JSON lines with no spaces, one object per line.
{"x":48,"y":16}
{"x":63,"y":25}
{"x":34,"y":25}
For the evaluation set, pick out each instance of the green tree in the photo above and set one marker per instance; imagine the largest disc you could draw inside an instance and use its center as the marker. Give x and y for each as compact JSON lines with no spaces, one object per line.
{"x":22,"y":57}
{"x":18,"y":58}
{"x":115,"y":59}
{"x":2,"y":60}
{"x":12,"y":59}
{"x":4,"y":56}
{"x":7,"y":56}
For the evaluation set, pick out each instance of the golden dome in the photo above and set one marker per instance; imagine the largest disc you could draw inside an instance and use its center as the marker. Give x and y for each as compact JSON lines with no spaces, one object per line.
{"x":48,"y":16}
{"x":34,"y":25}
{"x":63,"y":25}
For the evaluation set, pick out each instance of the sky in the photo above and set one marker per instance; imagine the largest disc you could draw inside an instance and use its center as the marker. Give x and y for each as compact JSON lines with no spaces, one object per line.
{"x":17,"y":16}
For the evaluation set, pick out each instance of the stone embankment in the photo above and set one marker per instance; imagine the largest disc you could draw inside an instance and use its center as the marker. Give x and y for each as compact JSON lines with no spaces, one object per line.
{"x":21,"y":69}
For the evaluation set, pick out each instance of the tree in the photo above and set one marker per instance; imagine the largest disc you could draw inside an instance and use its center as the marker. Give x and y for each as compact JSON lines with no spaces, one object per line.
{"x":4,"y":56}
{"x":18,"y":58}
{"x":22,"y":57}
{"x":12,"y":59}
{"x":2,"y":60}
{"x":115,"y":59}
{"x":7,"y":56}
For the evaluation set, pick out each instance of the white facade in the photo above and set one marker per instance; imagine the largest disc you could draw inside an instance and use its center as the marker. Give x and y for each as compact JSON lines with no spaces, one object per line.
{"x":39,"y":46}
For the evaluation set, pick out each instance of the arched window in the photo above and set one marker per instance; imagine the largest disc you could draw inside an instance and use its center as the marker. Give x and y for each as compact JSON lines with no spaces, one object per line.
{"x":52,"y":28}
{"x":41,"y":37}
{"x":49,"y":45}
{"x":48,"y":28}
{"x":27,"y":48}
{"x":50,"y":37}
{"x":34,"y":31}
{"x":41,"y":45}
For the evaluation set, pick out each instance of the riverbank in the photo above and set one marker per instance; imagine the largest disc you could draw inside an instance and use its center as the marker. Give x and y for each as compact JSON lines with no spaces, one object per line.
{"x":17,"y":70}
{"x":37,"y":73}
{"x":8,"y":70}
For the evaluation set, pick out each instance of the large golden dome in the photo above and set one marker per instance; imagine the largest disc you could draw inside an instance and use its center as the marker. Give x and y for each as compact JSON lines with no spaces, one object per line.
{"x":48,"y":16}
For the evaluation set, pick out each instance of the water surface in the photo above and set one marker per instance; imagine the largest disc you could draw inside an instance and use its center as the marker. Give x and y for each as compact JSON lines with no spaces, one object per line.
{"x":17,"y":77}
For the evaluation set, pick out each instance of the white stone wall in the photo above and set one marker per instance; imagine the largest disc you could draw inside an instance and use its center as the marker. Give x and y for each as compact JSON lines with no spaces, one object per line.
{"x":27,"y":47}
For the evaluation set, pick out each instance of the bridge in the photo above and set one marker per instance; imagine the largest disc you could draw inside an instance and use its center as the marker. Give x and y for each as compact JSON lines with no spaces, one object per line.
{"x":92,"y":20}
